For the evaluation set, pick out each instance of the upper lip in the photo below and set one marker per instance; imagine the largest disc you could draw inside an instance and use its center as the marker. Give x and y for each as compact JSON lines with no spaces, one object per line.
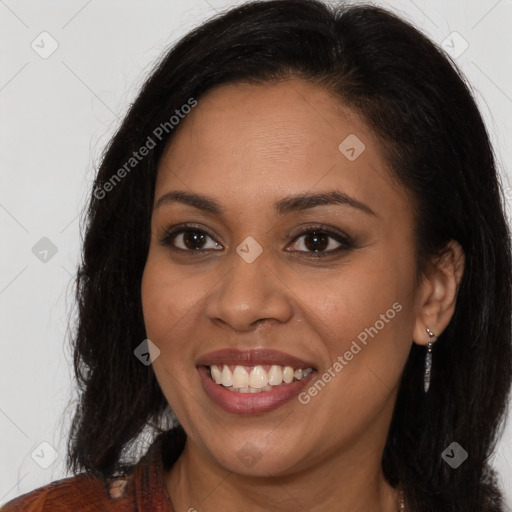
{"x":254,"y":357}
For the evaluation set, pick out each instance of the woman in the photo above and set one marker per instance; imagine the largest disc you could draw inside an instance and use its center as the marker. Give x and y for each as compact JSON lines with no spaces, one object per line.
{"x":297,"y":267}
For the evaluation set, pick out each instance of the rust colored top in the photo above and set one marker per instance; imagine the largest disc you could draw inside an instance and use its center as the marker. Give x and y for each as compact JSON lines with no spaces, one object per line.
{"x":141,"y":489}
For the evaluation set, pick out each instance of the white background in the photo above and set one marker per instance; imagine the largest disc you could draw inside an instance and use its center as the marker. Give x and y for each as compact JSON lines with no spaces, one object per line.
{"x":56,"y":115}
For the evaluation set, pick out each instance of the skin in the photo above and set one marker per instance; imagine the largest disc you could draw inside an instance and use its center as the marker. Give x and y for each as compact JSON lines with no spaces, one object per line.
{"x":248,"y":146}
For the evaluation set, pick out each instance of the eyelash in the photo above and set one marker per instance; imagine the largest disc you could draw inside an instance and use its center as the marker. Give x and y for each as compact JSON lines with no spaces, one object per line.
{"x":346,"y":242}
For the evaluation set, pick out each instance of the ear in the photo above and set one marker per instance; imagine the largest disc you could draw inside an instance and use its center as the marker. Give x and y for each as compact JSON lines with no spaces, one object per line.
{"x":438,"y":293}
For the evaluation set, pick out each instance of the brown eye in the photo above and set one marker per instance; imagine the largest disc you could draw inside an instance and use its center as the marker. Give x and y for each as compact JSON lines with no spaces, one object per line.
{"x":316,"y":241}
{"x":319,"y":242}
{"x":188,"y":239}
{"x":193,"y":239}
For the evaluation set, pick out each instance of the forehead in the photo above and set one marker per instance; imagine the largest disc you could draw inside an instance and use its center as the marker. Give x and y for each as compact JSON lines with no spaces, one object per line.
{"x":249,"y":144}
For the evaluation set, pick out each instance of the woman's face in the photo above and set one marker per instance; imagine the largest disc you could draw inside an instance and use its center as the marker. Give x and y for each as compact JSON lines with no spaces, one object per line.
{"x":246,"y":277}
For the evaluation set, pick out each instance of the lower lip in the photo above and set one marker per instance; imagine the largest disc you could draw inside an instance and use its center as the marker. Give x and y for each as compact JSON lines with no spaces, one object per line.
{"x":251,"y":403}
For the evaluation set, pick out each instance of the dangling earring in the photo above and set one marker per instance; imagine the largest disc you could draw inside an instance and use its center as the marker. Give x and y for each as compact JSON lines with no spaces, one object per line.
{"x":428,"y":360}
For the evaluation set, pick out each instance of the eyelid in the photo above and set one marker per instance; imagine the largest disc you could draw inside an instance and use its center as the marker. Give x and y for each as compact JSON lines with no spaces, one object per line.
{"x":322,"y":228}
{"x":347,"y":242}
{"x":172,"y":232}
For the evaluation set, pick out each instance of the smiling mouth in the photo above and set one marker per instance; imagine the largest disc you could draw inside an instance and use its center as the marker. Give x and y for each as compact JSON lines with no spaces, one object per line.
{"x":255,"y":379}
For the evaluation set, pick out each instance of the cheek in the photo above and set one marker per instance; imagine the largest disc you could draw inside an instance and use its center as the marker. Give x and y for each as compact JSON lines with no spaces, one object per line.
{"x":363,"y":316}
{"x":352,"y":300}
{"x":168,"y":303}
{"x":169,"y":299}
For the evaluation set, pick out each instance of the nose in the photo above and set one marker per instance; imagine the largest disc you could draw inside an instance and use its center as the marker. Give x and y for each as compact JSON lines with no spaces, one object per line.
{"x":249,"y":294}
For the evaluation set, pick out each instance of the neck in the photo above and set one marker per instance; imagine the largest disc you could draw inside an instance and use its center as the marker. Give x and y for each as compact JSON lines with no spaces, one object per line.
{"x":196,"y":482}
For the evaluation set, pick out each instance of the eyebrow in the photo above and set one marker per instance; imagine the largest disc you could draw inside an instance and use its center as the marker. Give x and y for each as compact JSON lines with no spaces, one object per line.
{"x":298,"y":202}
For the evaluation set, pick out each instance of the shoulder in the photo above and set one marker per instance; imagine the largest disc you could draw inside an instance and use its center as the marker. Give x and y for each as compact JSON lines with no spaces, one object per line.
{"x":140,"y":486}
{"x":81,"y":493}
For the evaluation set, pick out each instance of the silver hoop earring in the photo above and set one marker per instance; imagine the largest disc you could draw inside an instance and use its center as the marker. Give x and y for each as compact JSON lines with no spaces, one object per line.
{"x":428,"y":360}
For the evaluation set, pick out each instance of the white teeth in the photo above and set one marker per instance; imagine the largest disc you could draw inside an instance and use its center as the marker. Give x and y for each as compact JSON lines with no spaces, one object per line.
{"x":240,"y":377}
{"x":225,"y":377}
{"x":288,"y":374}
{"x":275,"y":375}
{"x":216,"y":375}
{"x":258,"y":378}
{"x":248,"y":379}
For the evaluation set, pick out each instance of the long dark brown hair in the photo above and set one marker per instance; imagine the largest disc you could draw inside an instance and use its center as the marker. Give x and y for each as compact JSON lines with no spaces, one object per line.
{"x":418,"y":103}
